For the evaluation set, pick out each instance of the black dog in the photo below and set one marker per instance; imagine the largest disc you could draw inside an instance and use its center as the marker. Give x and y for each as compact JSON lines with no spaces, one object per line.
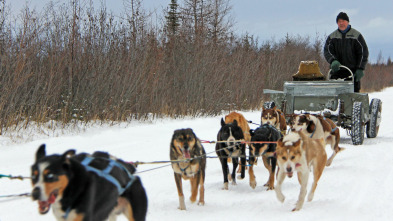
{"x":231,"y":133}
{"x":87,"y":187}
{"x":267,"y":133}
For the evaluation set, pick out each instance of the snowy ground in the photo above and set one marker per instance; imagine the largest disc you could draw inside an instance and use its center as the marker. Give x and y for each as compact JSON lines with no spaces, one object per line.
{"x":358,"y":185}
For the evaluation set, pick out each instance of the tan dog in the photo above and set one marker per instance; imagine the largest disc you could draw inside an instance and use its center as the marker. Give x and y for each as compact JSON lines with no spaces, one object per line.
{"x":275,"y":118}
{"x":297,"y":152}
{"x":316,"y":126}
{"x":243,"y":124}
{"x":189,"y":153}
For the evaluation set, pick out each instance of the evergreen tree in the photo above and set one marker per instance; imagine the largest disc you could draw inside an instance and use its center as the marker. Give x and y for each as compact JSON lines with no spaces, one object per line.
{"x":173,"y":17}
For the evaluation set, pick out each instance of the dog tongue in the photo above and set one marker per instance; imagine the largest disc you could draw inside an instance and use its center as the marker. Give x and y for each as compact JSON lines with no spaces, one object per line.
{"x":52,"y":198}
{"x":43,"y":206}
{"x":187,"y":154}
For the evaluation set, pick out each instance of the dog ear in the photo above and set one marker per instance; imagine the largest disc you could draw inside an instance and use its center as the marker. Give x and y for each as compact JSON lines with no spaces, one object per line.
{"x":235,"y":123}
{"x":67,"y":155}
{"x":297,"y":143}
{"x":252,"y":132}
{"x":222,"y":122}
{"x":41,"y":153}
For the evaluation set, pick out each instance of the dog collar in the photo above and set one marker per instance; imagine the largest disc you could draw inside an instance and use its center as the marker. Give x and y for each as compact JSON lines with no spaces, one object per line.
{"x":312,"y":134}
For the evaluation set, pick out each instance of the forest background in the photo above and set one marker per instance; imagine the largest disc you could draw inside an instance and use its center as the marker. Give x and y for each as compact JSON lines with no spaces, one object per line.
{"x":77,"y":63}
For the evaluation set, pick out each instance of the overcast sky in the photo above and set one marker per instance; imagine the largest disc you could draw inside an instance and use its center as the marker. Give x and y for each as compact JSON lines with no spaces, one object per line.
{"x":273,"y":19}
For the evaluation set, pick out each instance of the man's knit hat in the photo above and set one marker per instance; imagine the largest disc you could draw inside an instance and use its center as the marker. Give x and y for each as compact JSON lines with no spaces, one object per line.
{"x":343,"y":16}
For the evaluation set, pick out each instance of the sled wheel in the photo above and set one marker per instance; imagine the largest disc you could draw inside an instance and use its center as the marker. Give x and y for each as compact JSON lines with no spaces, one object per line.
{"x":269,"y":104}
{"x":357,"y":127}
{"x":372,"y":127}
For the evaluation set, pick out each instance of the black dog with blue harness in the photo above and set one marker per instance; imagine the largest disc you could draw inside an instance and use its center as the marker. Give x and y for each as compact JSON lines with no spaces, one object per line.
{"x":87,"y":187}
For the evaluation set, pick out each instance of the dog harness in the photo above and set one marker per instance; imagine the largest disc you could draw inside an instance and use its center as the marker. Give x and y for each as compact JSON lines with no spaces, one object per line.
{"x":105,"y":173}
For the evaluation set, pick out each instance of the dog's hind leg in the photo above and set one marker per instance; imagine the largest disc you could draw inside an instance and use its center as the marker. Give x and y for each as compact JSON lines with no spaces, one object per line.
{"x":270,"y":182}
{"x":201,"y":201}
{"x":334,"y":144}
{"x":270,"y":164}
{"x":318,"y":169}
{"x":179,"y":185}
{"x":253,"y":182}
{"x":243,"y":162}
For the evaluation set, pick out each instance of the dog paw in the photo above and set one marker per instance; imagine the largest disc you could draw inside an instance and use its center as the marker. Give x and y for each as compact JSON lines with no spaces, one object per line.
{"x":201,"y":203}
{"x":297,"y":208}
{"x":299,"y":205}
{"x":239,"y":177}
{"x":182,"y":204}
{"x":193,"y":199}
{"x":269,"y":187}
{"x":253,"y":184}
{"x":234,"y":183}
{"x":182,"y":208}
{"x":225,"y":187}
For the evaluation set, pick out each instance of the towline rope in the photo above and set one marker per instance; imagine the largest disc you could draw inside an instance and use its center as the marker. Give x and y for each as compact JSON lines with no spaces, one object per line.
{"x":16,"y":195}
{"x":136,"y":163}
{"x":14,"y":177}
{"x":238,"y":141}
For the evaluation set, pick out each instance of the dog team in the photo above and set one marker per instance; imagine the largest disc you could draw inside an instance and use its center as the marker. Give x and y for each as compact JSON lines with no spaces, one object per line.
{"x":101,"y":186}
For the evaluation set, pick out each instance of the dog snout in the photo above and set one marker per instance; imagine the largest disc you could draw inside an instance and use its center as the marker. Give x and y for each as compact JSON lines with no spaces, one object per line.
{"x":36,"y":193}
{"x":231,"y":141}
{"x":289,"y":169}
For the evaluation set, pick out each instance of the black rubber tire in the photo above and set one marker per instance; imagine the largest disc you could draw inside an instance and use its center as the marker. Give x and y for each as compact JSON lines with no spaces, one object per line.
{"x":372,"y":126}
{"x":357,"y":127}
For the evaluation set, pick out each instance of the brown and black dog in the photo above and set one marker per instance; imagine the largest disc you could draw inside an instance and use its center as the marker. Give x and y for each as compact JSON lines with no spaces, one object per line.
{"x":274,"y":117}
{"x":188,"y":162}
{"x":296,"y":152}
{"x":316,"y":126}
{"x":87,"y":187}
{"x":269,"y":134}
{"x":243,"y":124}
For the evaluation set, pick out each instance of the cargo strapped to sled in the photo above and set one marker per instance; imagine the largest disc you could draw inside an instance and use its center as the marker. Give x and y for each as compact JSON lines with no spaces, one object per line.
{"x":105,"y":173}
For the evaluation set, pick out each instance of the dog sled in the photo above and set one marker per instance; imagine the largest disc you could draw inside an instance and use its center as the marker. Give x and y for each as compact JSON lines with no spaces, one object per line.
{"x":334,"y":98}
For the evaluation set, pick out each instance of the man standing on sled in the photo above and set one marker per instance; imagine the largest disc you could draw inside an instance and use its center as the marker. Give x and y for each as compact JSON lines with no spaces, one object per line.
{"x":346,"y":46}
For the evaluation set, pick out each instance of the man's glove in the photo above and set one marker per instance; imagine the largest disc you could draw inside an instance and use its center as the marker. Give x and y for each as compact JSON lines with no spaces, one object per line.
{"x":359,"y":74}
{"x":335,"y":66}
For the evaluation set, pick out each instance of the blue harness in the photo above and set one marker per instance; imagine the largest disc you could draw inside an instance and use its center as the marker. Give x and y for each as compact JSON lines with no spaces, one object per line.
{"x":105,"y":173}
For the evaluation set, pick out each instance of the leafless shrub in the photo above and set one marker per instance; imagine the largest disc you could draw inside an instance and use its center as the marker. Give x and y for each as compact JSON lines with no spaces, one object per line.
{"x":74,"y":63}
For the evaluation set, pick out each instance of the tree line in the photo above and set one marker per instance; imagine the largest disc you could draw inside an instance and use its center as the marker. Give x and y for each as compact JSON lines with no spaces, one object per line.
{"x":74,"y":62}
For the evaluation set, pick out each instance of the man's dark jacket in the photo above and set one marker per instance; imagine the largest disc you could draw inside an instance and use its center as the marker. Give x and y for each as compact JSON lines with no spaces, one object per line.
{"x":349,"y":48}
